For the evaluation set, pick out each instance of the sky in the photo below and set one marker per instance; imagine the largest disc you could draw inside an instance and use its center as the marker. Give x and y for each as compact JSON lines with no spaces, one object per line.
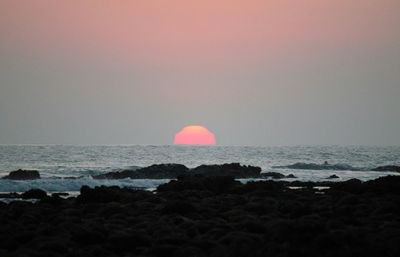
{"x":254,"y":72}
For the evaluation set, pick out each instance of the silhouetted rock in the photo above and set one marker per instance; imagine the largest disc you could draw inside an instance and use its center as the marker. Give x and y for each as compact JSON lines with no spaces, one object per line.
{"x":233,"y":170}
{"x":210,"y":216}
{"x":216,"y":184}
{"x":315,"y":166}
{"x":274,"y":175}
{"x":105,"y":194}
{"x":172,"y":171}
{"x":34,"y":194}
{"x":178,"y":207}
{"x":23,"y":175}
{"x":388,"y":168}
{"x":9,"y":195}
{"x":291,"y":176}
{"x":60,"y":194}
{"x":388,"y":184}
{"x":158,"y":171}
{"x":351,"y":186}
{"x":334,"y":176}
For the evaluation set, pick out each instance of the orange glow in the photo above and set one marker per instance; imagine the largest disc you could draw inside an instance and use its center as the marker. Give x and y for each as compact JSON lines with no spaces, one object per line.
{"x":194,"y":135}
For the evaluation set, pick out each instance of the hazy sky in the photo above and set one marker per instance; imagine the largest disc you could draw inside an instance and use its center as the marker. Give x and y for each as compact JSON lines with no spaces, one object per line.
{"x":255,"y":72}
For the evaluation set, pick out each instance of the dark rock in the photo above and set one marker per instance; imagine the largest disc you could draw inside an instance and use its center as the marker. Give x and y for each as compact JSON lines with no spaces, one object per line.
{"x":34,"y":194}
{"x":210,"y":216}
{"x":315,"y":166}
{"x":23,"y":175}
{"x":388,"y":168}
{"x":128,"y":240}
{"x":274,"y":175}
{"x":291,"y":176}
{"x":105,"y":194}
{"x":233,"y":170}
{"x":351,"y":186}
{"x":388,"y":184}
{"x":334,"y":176}
{"x":178,"y":207}
{"x":173,"y":171}
{"x":60,"y":194}
{"x":9,"y":195}
{"x":158,"y":171}
{"x":217,"y":184}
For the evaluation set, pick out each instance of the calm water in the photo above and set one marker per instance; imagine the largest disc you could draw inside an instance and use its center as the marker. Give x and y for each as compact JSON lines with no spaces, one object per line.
{"x":65,"y":161}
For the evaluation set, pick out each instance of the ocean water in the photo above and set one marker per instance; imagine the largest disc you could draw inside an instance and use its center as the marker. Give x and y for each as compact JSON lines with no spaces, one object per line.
{"x":57,"y":162}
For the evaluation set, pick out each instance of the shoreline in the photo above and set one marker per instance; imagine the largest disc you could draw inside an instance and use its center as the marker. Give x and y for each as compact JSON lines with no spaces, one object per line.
{"x":210,"y":216}
{"x":154,"y":175}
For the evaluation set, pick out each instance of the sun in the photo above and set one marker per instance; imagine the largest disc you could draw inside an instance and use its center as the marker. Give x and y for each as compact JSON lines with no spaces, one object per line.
{"x":194,"y":135}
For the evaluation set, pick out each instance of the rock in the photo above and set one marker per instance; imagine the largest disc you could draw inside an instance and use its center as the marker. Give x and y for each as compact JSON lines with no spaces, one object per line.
{"x":274,"y":175}
{"x":178,"y":207}
{"x":315,"y":166}
{"x":388,"y":184}
{"x":34,"y":194}
{"x":105,"y":194}
{"x":217,"y":184}
{"x":158,"y":171}
{"x":351,"y":186}
{"x":388,"y":168}
{"x":60,"y":194}
{"x":210,"y":216}
{"x":334,"y":176}
{"x":9,"y":195}
{"x":291,"y":176}
{"x":23,"y":175}
{"x":173,"y":171}
{"x":233,"y":170}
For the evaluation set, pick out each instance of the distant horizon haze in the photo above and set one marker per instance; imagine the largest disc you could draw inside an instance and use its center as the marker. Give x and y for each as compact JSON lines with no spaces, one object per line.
{"x":255,"y":73}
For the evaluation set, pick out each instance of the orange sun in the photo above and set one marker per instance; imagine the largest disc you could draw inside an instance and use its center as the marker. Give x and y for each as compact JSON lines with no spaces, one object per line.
{"x":194,"y":135}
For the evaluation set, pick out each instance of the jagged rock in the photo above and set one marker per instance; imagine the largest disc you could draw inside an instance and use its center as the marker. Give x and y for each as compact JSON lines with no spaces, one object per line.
{"x":63,"y":194}
{"x":105,"y":194}
{"x":274,"y":175}
{"x":210,"y":216}
{"x":23,"y":175}
{"x":173,"y":171}
{"x":233,"y":169}
{"x":158,"y":171}
{"x":34,"y":194}
{"x":9,"y":195}
{"x":315,"y":166}
{"x":217,"y":184}
{"x":334,"y":176}
{"x":388,"y":168}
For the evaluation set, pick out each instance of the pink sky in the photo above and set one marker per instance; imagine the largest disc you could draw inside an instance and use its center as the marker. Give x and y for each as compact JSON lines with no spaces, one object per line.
{"x":181,"y":33}
{"x":252,"y":71}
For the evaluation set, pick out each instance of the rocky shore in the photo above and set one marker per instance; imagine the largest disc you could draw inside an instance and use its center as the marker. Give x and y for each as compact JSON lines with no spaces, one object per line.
{"x":209,"y":216}
{"x":236,"y":170}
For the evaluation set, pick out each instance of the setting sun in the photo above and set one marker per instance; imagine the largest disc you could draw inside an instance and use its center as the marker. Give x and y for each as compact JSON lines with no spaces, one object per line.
{"x":194,"y":135}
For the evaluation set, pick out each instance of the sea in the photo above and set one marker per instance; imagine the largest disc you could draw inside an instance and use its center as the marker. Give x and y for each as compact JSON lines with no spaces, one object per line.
{"x":66,"y":168}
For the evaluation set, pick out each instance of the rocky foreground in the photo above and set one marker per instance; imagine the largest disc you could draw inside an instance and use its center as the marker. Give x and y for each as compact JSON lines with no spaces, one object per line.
{"x":210,"y":216}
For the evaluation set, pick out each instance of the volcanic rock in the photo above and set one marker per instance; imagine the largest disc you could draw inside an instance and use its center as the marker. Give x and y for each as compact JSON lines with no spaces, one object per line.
{"x":233,"y":169}
{"x":388,"y":168}
{"x":158,"y":171}
{"x":316,"y":166}
{"x":274,"y":175}
{"x":334,"y":176}
{"x":23,"y":175}
{"x":34,"y":194}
